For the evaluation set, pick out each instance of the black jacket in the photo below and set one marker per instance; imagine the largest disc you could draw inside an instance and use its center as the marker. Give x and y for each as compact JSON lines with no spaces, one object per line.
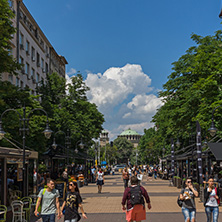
{"x":207,"y":194}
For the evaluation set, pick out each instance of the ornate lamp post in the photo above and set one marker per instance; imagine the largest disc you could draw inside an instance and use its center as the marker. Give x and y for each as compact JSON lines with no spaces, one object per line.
{"x":212,"y":130}
{"x":67,"y":143}
{"x":24,"y":127}
{"x":81,"y":145}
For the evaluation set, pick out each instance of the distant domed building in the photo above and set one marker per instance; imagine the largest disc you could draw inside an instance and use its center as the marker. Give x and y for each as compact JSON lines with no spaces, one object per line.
{"x":132,"y":136}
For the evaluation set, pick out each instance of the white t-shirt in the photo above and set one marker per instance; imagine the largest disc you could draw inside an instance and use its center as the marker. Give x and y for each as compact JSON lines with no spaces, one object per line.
{"x":100,"y":175}
{"x":212,"y":201}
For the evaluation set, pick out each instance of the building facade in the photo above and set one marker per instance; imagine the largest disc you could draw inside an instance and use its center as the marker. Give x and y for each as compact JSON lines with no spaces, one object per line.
{"x":132,"y":136}
{"x":31,"y":48}
{"x":104,"y":138}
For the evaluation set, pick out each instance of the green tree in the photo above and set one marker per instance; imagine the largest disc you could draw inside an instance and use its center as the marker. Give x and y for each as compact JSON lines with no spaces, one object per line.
{"x":12,"y":97}
{"x":193,"y":89}
{"x":67,"y":105}
{"x":124,"y":149}
{"x":7,"y":64}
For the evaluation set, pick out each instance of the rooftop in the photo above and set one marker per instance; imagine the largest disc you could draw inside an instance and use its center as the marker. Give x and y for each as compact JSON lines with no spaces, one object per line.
{"x":129,"y":132}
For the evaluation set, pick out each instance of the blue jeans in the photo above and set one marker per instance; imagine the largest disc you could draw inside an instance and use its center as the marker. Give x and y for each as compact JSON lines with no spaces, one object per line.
{"x":188,"y":213}
{"x":209,"y":211}
{"x":48,"y":218}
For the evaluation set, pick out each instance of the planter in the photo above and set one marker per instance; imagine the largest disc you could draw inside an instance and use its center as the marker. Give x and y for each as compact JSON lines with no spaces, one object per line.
{"x":179,"y":182}
{"x":174,"y":181}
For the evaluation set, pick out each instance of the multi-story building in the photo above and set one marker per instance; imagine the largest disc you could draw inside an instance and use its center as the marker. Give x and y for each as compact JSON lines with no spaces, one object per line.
{"x":32,"y":49}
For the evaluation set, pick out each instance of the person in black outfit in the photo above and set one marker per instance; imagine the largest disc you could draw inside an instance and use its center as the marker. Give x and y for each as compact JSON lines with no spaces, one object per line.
{"x":72,"y":201}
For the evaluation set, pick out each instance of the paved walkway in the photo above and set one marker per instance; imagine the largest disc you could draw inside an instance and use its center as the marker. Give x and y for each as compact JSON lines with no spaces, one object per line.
{"x":106,"y":207}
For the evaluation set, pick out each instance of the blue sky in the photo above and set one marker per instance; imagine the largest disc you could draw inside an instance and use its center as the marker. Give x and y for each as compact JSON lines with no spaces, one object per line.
{"x":124,"y":48}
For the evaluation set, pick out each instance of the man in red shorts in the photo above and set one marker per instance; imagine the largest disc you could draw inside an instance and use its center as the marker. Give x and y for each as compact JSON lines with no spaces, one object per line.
{"x":134,"y":196}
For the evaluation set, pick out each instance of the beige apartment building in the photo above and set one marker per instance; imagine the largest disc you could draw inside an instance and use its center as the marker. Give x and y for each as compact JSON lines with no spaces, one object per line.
{"x":32,"y":49}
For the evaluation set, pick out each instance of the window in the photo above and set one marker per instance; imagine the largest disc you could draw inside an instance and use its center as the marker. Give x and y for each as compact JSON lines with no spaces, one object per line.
{"x":46,"y":67}
{"x":22,"y":85}
{"x":33,"y":72}
{"x":10,"y":78}
{"x":37,"y":77}
{"x":17,"y":81}
{"x":33,"y":54}
{"x":27,"y":47}
{"x":10,"y":2}
{"x":38,"y":59}
{"x":42,"y":63}
{"x":27,"y":69}
{"x":21,"y":40}
{"x":21,"y":60}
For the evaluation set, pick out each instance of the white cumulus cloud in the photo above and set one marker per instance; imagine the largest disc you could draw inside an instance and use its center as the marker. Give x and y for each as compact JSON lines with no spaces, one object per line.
{"x":124,"y":95}
{"x":116,"y":84}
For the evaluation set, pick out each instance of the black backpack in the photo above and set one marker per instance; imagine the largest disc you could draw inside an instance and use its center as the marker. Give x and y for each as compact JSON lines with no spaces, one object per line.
{"x":136,"y":196}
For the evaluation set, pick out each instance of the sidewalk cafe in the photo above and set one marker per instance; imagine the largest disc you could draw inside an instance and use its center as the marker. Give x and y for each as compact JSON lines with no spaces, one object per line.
{"x":11,"y":180}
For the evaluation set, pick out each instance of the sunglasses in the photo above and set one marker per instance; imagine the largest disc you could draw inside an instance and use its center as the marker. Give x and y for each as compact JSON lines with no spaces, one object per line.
{"x":70,"y":184}
{"x":189,"y":181}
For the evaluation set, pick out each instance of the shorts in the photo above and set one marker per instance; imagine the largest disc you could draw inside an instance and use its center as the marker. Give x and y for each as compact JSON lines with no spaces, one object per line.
{"x":137,"y":213}
{"x":189,"y":213}
{"x":100,"y":182}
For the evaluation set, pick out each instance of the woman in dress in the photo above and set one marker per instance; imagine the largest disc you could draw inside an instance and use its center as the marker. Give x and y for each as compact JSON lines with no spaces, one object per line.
{"x":211,"y":201}
{"x":72,"y":202}
{"x":187,"y":195}
{"x":100,"y":180}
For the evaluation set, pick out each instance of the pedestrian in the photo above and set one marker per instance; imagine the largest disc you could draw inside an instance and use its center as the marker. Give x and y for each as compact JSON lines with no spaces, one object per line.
{"x":100,"y":179}
{"x":40,"y":182}
{"x":125,"y":176}
{"x":211,"y":201}
{"x":72,"y":202}
{"x":133,"y":198}
{"x":65,"y":175}
{"x":49,"y":199}
{"x":187,"y":195}
{"x":155,"y":172}
{"x":93,"y":170}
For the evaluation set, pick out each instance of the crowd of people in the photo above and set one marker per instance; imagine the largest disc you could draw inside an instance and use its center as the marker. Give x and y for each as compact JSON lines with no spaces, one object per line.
{"x":134,"y":196}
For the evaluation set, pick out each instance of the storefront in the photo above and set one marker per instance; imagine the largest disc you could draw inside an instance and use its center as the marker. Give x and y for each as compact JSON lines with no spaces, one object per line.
{"x":11,"y":176}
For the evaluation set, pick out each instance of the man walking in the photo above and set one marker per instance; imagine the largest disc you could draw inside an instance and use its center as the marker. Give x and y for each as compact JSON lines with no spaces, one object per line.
{"x":49,"y":199}
{"x":135,"y":210}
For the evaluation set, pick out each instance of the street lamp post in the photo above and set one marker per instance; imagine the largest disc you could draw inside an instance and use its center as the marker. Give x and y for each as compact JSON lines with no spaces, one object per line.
{"x":67,"y":143}
{"x":25,"y":128}
{"x":212,"y":130}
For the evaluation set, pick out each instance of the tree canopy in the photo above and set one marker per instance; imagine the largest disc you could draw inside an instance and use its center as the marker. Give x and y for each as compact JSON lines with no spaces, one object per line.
{"x":8,"y":63}
{"x":192,"y":91}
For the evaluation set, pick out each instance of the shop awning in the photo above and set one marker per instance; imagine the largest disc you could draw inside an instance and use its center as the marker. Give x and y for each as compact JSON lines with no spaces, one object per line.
{"x":216,"y":149}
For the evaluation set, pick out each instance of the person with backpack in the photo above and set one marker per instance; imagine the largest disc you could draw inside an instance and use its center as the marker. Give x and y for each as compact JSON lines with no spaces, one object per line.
{"x":187,"y":195}
{"x":48,"y":198}
{"x":211,"y":201}
{"x":72,"y":202}
{"x":133,"y":198}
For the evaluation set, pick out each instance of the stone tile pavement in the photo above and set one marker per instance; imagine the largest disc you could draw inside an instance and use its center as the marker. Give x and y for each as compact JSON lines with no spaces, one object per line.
{"x":106,"y":207}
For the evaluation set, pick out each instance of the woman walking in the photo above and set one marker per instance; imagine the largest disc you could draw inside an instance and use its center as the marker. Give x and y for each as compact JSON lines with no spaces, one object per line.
{"x":72,"y":201}
{"x":187,"y":194}
{"x":125,"y":177}
{"x":211,"y":201}
{"x":100,"y":180}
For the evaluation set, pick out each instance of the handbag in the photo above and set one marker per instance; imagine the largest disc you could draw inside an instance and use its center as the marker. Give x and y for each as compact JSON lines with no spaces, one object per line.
{"x":179,"y":202}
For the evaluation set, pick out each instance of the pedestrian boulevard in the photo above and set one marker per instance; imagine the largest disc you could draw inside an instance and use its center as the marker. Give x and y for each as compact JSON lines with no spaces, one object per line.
{"x":107,"y":205}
